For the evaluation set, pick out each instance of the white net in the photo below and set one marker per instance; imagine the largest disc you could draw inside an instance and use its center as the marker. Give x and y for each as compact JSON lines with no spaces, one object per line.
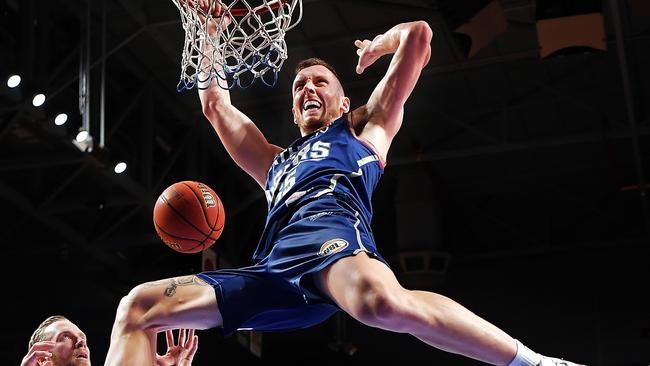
{"x":234,"y":42}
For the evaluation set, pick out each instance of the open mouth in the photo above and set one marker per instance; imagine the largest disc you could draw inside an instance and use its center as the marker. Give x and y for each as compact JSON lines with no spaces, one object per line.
{"x":311,"y":104}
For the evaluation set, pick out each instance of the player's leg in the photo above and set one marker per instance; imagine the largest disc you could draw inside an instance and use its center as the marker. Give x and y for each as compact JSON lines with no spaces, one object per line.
{"x":367,"y":290}
{"x":180,"y":302}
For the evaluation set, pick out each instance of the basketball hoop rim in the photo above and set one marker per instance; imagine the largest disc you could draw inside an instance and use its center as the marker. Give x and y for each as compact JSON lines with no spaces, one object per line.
{"x":248,"y":46}
{"x":259,"y":10}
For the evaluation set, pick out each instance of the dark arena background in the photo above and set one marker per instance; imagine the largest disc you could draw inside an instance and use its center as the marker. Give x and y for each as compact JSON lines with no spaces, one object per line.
{"x":518,"y":184}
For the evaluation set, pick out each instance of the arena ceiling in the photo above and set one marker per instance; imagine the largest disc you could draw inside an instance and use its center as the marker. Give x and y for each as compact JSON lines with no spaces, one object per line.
{"x":502,"y":155}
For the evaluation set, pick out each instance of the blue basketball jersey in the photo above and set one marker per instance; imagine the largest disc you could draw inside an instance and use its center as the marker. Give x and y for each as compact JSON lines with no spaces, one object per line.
{"x":319,"y":194}
{"x":329,"y":161}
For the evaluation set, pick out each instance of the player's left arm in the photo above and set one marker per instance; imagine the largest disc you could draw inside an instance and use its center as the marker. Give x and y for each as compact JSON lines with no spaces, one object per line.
{"x":380,"y":119}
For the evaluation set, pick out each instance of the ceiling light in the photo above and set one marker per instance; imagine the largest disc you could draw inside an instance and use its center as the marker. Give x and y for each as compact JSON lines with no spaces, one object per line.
{"x":83,"y":141}
{"x":120,"y":167}
{"x":61,"y":119}
{"x":13,"y":81}
{"x":82,"y":136}
{"x":38,"y":100}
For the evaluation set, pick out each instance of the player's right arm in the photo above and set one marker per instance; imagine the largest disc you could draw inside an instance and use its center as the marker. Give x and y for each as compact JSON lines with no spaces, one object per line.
{"x":242,"y":139}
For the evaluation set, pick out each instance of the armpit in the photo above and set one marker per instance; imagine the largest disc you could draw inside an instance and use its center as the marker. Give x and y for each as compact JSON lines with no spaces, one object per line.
{"x":358,"y":118}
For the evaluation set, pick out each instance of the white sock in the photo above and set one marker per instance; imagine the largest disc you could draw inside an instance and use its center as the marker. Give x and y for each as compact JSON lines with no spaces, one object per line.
{"x":525,"y":356}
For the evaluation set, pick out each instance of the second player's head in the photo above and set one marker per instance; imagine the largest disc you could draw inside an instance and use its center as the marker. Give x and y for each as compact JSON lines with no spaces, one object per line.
{"x":70,"y":347}
{"x":318,"y":97}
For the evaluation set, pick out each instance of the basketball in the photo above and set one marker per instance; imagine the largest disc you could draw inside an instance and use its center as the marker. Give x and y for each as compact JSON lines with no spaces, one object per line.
{"x":188,"y":216}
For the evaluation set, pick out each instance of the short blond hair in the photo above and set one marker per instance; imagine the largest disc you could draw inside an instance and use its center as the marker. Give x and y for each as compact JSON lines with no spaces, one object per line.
{"x":39,"y":334}
{"x":313,"y":61}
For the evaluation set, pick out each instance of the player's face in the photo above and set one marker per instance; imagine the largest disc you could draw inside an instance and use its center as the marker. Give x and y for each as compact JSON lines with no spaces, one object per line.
{"x":71,"y":348}
{"x":317,"y":98}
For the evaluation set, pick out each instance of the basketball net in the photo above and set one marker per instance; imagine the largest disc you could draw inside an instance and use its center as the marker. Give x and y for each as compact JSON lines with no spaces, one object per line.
{"x":248,"y":43}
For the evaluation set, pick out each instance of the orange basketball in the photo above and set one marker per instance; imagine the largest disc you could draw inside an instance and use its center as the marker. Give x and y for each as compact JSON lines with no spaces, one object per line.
{"x":188,"y":216}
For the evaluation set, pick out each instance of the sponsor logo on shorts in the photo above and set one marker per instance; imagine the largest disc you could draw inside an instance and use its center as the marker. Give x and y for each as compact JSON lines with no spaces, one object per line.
{"x":332,"y":246}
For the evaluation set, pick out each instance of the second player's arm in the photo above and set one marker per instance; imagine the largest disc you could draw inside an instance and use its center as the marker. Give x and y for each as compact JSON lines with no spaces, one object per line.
{"x":240,"y":136}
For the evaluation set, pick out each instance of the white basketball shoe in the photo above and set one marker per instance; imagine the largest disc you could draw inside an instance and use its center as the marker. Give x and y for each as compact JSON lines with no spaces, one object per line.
{"x":550,"y":361}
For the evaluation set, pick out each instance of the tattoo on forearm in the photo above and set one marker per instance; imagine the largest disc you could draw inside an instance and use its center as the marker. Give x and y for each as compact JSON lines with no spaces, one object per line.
{"x":173,"y":283}
{"x":171,"y":289}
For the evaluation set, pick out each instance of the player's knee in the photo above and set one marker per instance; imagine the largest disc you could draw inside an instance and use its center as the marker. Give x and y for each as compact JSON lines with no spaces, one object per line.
{"x":378,"y":306}
{"x":125,"y":317}
{"x":375,"y":310}
{"x":132,"y":307}
{"x":424,"y":30}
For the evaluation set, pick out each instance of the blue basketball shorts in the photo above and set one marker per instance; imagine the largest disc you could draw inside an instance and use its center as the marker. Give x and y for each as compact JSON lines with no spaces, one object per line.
{"x":278,"y":293}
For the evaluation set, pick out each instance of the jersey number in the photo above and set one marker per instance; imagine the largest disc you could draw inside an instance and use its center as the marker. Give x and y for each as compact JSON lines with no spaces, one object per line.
{"x":287,"y":178}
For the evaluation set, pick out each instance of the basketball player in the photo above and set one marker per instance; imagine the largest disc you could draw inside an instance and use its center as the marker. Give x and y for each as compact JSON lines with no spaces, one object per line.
{"x":317,"y":255}
{"x":59,"y":342}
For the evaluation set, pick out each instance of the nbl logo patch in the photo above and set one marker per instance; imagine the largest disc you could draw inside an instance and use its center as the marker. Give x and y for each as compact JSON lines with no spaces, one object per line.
{"x":332,"y":246}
